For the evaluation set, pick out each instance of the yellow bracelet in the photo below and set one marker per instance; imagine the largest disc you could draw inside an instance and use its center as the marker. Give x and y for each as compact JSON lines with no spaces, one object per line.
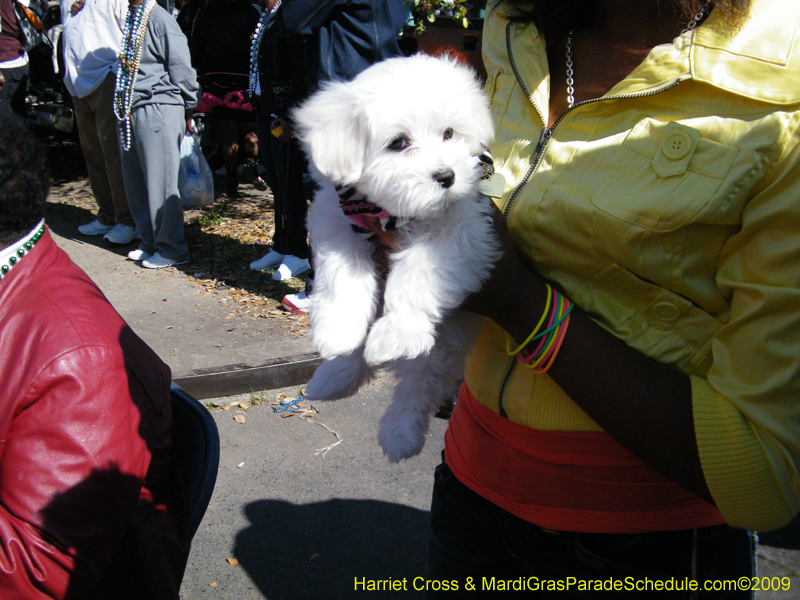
{"x":509,"y":339}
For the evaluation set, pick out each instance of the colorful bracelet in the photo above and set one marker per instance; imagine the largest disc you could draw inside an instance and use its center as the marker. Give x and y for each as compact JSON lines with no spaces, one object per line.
{"x":550,"y":359}
{"x":535,"y":329}
{"x":551,"y":338}
{"x":546,"y":335}
{"x":544,"y":348}
{"x":556,"y":334}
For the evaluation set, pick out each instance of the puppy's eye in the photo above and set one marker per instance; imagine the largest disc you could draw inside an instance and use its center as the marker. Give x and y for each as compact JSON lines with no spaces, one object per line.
{"x":448,"y":133}
{"x":398,"y":143}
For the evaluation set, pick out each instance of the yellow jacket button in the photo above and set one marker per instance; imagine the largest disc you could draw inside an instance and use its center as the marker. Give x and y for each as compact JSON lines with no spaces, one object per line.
{"x":666,"y":312}
{"x":677,"y":145}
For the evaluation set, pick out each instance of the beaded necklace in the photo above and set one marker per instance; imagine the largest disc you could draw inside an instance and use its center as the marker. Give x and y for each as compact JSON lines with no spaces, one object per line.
{"x":255,"y":44}
{"x":132,"y":44}
{"x":26,"y":245}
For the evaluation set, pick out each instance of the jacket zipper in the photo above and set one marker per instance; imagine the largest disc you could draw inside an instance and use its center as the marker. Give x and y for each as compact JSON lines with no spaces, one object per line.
{"x":536,"y":160}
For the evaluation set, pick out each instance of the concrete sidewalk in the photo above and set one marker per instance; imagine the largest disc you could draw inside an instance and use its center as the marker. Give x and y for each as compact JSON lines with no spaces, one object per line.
{"x":211,"y":348}
{"x":286,"y":521}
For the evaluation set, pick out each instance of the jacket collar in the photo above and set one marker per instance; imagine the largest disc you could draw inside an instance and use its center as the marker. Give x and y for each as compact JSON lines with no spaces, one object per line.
{"x":761,"y":61}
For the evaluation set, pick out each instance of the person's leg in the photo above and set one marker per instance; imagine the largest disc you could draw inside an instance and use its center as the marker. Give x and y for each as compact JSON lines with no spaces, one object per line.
{"x":465,"y":543}
{"x":158,"y":129}
{"x":106,"y":122}
{"x":268,"y":145}
{"x":92,"y":149}
{"x":296,"y":204}
{"x":136,"y":192}
{"x":279,"y":162}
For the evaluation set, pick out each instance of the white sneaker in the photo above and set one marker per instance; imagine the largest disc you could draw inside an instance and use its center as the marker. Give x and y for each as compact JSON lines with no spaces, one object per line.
{"x":291,"y":267}
{"x":297,"y":303}
{"x":94,"y":228}
{"x":122,"y":234}
{"x":270,"y":260}
{"x":138,"y":255}
{"x":159,"y":262}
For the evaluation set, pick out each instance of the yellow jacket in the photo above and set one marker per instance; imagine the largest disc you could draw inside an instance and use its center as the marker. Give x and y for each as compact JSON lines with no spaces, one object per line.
{"x":669,"y":212}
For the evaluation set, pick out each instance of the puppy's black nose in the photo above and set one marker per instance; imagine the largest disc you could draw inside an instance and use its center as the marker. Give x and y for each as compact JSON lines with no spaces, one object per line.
{"x":445,"y":176}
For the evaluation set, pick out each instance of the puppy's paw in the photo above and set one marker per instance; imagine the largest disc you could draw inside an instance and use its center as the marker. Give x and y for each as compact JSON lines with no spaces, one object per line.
{"x":402,"y":434}
{"x":334,"y":335}
{"x":339,"y":377}
{"x":396,"y":336}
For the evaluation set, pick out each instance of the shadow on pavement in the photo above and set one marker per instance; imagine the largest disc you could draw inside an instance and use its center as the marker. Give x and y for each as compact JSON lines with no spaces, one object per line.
{"x":318,"y":550}
{"x":63,"y":220}
{"x":65,"y":161}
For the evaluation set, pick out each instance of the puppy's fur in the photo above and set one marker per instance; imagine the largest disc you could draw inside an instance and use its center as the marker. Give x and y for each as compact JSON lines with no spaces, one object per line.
{"x":406,"y":134}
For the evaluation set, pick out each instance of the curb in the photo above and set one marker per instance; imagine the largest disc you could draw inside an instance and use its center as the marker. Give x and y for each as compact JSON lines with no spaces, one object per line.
{"x":232,"y":380}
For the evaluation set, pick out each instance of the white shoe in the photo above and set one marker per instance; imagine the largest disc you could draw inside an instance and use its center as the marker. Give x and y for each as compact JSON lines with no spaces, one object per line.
{"x":94,"y":228}
{"x":296,"y":303}
{"x":291,"y":267}
{"x":270,"y":260}
{"x":138,"y":255}
{"x":122,"y":234}
{"x":159,"y":262}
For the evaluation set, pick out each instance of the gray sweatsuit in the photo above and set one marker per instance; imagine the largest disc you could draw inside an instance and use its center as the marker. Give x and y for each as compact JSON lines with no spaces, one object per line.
{"x":166,"y":85}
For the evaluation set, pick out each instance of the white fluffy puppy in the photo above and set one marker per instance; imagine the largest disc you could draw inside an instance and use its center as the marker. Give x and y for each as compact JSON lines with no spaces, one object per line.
{"x":404,"y":142}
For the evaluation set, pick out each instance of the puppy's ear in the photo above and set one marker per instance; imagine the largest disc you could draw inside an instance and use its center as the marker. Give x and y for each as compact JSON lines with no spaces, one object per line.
{"x":482,"y":122}
{"x":331,"y":129}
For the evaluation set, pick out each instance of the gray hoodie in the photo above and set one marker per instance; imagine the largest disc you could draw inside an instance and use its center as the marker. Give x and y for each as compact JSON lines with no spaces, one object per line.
{"x":165,"y":73}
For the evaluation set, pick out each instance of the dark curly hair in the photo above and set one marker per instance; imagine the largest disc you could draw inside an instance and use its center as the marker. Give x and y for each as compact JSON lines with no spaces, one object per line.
{"x":558,"y":16}
{"x":24,"y":178}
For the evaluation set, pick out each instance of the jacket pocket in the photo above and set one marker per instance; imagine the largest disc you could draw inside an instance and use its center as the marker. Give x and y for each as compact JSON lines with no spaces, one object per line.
{"x":663,"y":176}
{"x":654,"y":320}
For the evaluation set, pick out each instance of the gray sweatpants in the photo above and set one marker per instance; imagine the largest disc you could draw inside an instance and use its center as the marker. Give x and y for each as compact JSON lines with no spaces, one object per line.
{"x":150,"y":172}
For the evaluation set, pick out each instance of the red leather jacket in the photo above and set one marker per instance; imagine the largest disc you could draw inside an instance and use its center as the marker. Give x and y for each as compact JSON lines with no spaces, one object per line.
{"x":90,"y":503}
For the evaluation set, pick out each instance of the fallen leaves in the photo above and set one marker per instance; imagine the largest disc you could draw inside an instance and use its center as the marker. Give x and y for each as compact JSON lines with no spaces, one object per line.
{"x":222,"y":249}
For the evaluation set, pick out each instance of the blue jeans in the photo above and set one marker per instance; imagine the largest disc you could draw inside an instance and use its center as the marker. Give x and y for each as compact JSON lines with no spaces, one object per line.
{"x":471,"y":537}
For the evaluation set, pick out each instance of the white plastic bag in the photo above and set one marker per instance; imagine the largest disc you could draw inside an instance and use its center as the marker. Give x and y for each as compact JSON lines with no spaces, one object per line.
{"x":195,"y":178}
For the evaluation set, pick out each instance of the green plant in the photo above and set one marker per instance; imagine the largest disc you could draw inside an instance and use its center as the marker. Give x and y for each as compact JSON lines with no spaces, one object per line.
{"x":425,"y":11}
{"x":211,"y":218}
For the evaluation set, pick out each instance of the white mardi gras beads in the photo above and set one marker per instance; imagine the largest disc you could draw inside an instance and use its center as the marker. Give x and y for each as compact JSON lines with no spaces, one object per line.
{"x":132,"y":44}
{"x":255,"y":44}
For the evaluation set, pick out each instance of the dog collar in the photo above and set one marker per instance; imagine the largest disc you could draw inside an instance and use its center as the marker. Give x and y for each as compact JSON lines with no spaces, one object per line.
{"x":367,"y":218}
